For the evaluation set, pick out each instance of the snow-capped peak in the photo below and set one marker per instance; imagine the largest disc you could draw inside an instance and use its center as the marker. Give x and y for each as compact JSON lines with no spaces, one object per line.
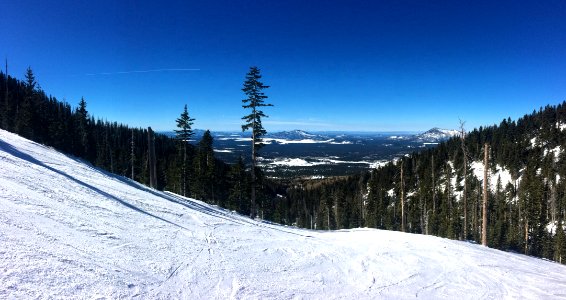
{"x":437,"y":134}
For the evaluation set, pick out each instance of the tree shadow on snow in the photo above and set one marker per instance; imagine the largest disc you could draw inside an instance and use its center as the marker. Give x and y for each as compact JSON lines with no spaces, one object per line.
{"x":17,"y":153}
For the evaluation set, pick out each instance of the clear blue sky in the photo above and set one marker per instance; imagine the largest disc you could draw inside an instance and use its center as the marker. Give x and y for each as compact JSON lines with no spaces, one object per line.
{"x":332,"y":65}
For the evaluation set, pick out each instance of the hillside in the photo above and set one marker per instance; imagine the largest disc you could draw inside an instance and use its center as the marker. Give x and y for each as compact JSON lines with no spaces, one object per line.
{"x":438,"y":190}
{"x":68,"y":229}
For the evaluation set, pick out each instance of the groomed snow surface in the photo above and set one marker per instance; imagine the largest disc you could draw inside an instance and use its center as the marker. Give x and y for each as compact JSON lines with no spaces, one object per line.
{"x":68,"y":230}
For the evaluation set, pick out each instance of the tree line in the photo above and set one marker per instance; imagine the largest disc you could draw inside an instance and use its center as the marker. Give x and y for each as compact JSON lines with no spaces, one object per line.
{"x":181,"y":166}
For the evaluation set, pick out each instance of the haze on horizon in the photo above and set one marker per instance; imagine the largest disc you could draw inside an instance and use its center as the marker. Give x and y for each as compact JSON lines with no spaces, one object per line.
{"x":331,"y":65}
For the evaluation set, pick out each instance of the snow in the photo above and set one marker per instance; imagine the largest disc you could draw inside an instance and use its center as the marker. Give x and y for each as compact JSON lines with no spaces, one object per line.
{"x":304,"y":141}
{"x":317,"y":161}
{"x":551,"y":227}
{"x":69,"y":230}
{"x":288,"y":141}
{"x":533,"y":142}
{"x":396,"y":137}
{"x":378,"y":164}
{"x":438,"y":134}
{"x":223,"y":150}
{"x":477,"y":169}
{"x":295,"y":162}
{"x":556,"y":152}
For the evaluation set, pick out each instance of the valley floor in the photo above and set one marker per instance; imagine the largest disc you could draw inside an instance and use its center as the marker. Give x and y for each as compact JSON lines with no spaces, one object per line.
{"x":69,"y":230}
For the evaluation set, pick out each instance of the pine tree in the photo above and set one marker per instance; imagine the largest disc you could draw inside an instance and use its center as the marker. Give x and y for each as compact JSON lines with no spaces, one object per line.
{"x":253,"y":89}
{"x":239,"y":187}
{"x":183,"y":135}
{"x":82,"y":123}
{"x":26,"y":111}
{"x":560,"y":244}
{"x":204,"y":164}
{"x":5,"y":107}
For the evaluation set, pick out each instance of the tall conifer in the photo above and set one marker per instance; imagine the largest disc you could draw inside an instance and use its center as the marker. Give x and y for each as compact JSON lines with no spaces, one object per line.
{"x":253,"y":88}
{"x":183,"y":134}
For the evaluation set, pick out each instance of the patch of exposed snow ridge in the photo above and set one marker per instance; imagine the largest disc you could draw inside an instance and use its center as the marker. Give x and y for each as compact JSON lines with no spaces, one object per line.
{"x":68,"y":230}
{"x":500,"y":172}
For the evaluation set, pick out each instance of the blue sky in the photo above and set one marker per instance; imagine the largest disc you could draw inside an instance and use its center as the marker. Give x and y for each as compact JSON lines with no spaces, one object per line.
{"x":332,"y":65}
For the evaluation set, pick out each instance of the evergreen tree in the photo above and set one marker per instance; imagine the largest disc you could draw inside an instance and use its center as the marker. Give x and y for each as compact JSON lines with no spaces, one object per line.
{"x":253,"y":89}
{"x":560,"y":244}
{"x":204,"y":164}
{"x":238,"y":193}
{"x":5,"y":109}
{"x":26,"y":111}
{"x":183,"y":135}
{"x":82,"y":123}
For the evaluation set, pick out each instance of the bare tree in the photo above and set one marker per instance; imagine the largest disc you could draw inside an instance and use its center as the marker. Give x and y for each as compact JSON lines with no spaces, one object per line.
{"x":402,"y":187}
{"x":485,"y":180}
{"x":152,"y":159}
{"x":5,"y":116}
{"x":465,"y":171}
{"x":132,"y":155}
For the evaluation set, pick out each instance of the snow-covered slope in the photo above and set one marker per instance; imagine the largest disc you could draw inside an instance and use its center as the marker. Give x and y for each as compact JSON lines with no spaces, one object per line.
{"x":436,"y":134}
{"x":68,"y":230}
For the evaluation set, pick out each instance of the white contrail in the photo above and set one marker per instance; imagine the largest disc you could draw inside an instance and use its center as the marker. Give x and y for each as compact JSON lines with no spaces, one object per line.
{"x":141,"y":71}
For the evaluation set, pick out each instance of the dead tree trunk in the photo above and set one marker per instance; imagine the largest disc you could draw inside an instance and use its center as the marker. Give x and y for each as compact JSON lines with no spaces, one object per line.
{"x":402,"y":200}
{"x":132,"y":155}
{"x":526,"y":237}
{"x":253,"y":211}
{"x":484,"y":211}
{"x":5,"y":116}
{"x":152,"y":159}
{"x":465,"y":169}
{"x":433,"y":188}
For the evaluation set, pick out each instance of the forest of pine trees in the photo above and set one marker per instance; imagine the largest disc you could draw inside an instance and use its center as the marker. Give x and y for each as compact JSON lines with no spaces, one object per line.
{"x":181,"y":167}
{"x":441,"y":195}
{"x":526,"y":215}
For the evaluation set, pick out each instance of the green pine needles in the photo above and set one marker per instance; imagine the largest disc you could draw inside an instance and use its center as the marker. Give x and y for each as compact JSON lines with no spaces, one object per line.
{"x":253,"y":88}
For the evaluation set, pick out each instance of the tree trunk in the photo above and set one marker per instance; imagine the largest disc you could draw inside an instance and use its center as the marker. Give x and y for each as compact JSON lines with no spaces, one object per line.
{"x":526,"y":237}
{"x":433,"y":188}
{"x":152,"y":160}
{"x":465,"y":193}
{"x":465,"y":196}
{"x":252,"y":208}
{"x":132,"y":155}
{"x":5,"y":116}
{"x":484,"y":211}
{"x":185,"y":168}
{"x":402,"y":200}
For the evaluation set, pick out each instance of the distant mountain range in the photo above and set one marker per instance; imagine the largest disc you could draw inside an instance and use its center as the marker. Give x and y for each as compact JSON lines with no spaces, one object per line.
{"x":298,"y":135}
{"x":433,"y":135}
